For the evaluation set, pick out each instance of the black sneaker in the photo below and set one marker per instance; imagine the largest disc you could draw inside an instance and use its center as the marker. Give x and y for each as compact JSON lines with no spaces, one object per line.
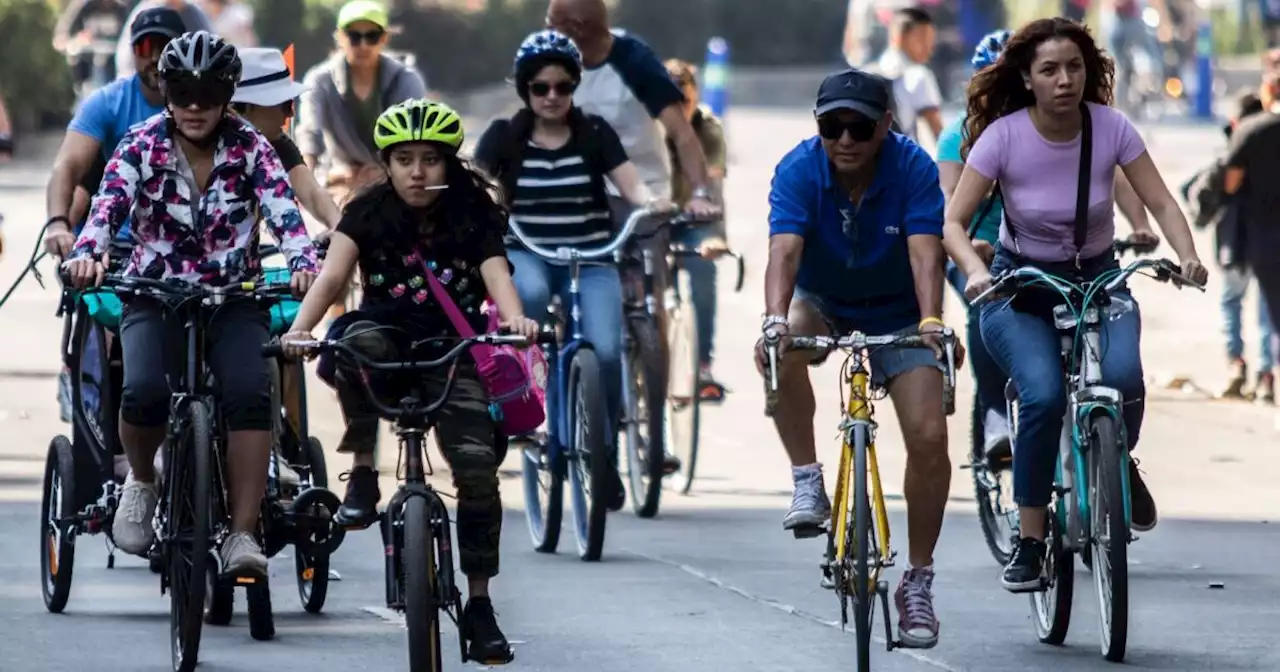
{"x":617,"y":495}
{"x":670,"y":464}
{"x":1142,"y":506}
{"x":485,"y":642}
{"x":1025,"y":571}
{"x":360,"y":506}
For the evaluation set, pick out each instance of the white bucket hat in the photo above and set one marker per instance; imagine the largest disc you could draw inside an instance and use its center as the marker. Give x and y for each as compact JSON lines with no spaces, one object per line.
{"x":266,"y":80}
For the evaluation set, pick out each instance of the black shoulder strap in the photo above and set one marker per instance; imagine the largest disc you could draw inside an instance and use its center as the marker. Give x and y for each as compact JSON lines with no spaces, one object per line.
{"x":986,"y":210}
{"x":1082,"y":185}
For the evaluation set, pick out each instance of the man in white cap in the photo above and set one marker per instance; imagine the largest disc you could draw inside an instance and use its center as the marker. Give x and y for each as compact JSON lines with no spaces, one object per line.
{"x":265,"y":97}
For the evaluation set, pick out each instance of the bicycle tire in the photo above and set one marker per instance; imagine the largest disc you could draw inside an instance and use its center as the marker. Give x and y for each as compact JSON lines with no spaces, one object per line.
{"x":262,"y":622}
{"x":988,"y":517}
{"x":99,"y":433}
{"x":316,"y":463}
{"x":684,"y":421}
{"x":219,"y":598}
{"x":1107,"y":472}
{"x":421,"y":608}
{"x":589,"y":483}
{"x":1051,"y":609}
{"x":57,"y":548}
{"x":544,"y":523}
{"x":192,"y":473}
{"x":862,"y":540}
{"x":648,"y":380}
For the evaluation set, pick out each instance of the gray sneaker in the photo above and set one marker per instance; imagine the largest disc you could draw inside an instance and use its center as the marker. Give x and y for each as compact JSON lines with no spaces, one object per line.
{"x":917,"y":624}
{"x":241,"y":556}
{"x":810,"y":506}
{"x":131,"y":530}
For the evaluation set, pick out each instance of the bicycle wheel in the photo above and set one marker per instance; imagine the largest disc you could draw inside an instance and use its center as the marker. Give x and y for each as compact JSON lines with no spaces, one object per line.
{"x":589,"y":461}
{"x":543,"y":477}
{"x":862,"y":542}
{"x":188,"y":533}
{"x":1109,"y":534}
{"x":683,"y":398}
{"x":646,"y":426}
{"x":421,"y":611}
{"x":1052,"y":606}
{"x":993,"y":491}
{"x":57,"y":504}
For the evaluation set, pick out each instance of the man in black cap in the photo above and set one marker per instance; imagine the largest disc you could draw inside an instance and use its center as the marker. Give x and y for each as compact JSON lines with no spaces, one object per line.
{"x":92,"y":137}
{"x":855,"y":244}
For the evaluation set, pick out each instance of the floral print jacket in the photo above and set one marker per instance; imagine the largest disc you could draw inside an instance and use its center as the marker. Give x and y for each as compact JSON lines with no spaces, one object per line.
{"x":209,"y":239}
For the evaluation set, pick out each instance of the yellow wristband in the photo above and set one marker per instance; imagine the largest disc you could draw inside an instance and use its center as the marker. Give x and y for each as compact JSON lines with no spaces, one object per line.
{"x":932,"y":320}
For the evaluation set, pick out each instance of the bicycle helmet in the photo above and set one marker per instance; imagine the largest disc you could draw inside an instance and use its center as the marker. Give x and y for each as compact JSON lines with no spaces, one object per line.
{"x":418,"y":121}
{"x":543,"y":48}
{"x":989,"y":49}
{"x":201,"y":56}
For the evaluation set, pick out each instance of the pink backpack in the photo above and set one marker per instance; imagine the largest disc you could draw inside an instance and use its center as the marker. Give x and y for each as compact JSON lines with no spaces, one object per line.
{"x":515,"y":379}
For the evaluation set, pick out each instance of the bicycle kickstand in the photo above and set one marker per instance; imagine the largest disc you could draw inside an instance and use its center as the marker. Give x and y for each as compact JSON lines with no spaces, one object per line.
{"x":889,"y":642}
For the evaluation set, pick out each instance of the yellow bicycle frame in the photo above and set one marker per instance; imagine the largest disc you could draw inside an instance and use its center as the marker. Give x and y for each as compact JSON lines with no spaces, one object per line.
{"x":858,"y":408}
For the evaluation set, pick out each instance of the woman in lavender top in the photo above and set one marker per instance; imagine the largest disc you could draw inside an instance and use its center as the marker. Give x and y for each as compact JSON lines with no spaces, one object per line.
{"x":1024,"y":129}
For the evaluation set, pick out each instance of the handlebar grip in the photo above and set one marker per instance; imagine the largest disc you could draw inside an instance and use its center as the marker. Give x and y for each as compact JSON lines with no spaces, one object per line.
{"x":272,"y":350}
{"x":742,"y":272}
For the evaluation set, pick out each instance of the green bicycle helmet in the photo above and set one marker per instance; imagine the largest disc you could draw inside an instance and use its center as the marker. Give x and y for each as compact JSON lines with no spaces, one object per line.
{"x":418,"y":121}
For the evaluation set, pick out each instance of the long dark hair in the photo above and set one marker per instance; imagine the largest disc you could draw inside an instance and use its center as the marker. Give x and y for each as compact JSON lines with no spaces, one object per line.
{"x":1000,"y":89}
{"x":464,"y":215}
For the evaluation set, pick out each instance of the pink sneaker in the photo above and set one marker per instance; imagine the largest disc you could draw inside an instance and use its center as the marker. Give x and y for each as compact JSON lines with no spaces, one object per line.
{"x":917,"y":624}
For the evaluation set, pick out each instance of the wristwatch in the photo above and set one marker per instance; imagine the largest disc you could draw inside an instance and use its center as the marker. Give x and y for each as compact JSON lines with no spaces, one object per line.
{"x":773,"y":321}
{"x":701,"y":193}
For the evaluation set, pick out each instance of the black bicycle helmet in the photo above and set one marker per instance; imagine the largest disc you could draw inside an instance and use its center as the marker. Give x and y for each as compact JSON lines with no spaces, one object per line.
{"x":200,"y":56}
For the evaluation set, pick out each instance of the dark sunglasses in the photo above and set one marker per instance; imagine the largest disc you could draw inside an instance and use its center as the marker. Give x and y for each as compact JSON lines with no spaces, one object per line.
{"x":285,"y":107}
{"x":203,"y":95}
{"x":150,"y":46}
{"x":562,"y":89}
{"x":831,"y":127}
{"x":370,"y":38}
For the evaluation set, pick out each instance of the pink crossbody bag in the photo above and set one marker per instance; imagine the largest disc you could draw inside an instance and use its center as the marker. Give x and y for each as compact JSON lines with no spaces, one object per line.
{"x":515,"y":379}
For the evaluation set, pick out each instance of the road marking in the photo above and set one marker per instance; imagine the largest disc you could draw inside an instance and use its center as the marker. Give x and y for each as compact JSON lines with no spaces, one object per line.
{"x":784,"y":608}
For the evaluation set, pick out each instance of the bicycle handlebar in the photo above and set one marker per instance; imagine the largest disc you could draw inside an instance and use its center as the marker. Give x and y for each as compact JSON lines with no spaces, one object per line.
{"x":1166,"y":271}
{"x":570,"y":253}
{"x":858,"y":341}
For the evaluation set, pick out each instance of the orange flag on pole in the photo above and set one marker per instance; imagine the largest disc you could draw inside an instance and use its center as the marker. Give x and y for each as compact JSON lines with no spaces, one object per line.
{"x":288,"y":63}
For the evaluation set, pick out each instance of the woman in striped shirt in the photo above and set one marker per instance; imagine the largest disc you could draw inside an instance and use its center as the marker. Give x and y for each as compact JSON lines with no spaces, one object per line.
{"x":552,"y":160}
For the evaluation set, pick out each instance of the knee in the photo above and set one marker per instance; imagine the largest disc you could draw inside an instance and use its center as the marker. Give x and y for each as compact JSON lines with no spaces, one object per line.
{"x":607,"y":344}
{"x":144,"y":399}
{"x":475,"y":475}
{"x":1041,"y":398}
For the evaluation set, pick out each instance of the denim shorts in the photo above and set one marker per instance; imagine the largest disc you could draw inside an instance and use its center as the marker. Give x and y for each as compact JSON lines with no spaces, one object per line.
{"x":886,"y":363}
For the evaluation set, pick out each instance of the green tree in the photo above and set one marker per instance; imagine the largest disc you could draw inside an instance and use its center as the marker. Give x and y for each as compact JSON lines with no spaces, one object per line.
{"x":34,"y":78}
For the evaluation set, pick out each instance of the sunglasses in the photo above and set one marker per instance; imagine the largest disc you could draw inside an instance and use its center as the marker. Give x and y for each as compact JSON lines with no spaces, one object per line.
{"x":149,"y":46}
{"x":370,"y":38}
{"x":562,"y":89}
{"x":285,"y":107}
{"x":202,"y":95}
{"x":862,"y":129}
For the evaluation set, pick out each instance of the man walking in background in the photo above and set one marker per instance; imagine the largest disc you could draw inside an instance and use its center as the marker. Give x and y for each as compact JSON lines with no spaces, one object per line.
{"x":905,"y":63}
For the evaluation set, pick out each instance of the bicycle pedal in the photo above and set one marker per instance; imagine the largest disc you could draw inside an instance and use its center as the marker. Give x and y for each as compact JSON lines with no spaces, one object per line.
{"x":808,"y":531}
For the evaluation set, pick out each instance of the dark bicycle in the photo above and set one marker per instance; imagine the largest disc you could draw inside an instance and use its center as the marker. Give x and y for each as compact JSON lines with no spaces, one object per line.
{"x":646,"y":364}
{"x":415,"y":524}
{"x":192,"y":517}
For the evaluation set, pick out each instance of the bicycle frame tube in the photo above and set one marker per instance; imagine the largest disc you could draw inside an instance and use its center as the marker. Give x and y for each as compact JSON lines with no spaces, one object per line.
{"x":858,"y":412}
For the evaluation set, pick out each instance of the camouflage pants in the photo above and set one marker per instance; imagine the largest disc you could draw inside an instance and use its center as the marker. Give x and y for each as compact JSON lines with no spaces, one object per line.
{"x":465,"y":431}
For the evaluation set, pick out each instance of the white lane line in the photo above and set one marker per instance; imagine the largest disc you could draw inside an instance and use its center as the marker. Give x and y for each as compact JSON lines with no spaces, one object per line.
{"x":784,"y":608}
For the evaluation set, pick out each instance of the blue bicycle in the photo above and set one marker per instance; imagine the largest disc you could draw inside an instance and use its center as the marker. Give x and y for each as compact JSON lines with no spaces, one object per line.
{"x":1090,"y":512}
{"x":577,"y":442}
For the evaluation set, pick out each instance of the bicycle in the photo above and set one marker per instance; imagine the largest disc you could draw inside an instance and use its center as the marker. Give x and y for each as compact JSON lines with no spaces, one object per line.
{"x":684,"y":401}
{"x":192,"y":514}
{"x":858,"y":548}
{"x":1093,"y":468}
{"x":576,"y":443}
{"x":415,"y":524}
{"x":992,"y":476}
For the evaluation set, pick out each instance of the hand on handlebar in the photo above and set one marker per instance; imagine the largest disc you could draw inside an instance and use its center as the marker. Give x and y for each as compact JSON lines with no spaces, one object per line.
{"x":783,"y":343}
{"x":85,"y":272}
{"x":1193,"y":269}
{"x":931,"y":334}
{"x":1144,"y":239}
{"x":977,"y":284}
{"x":301,"y":281}
{"x":522,"y":326}
{"x":701,"y":207}
{"x":713,"y":247}
{"x":58,"y":240}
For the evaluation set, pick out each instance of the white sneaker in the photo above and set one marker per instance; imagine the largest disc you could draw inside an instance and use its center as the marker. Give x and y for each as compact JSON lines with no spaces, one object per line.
{"x":286,"y":474}
{"x":241,"y":556}
{"x":996,"y":439}
{"x":131,"y":530}
{"x":810,"y":506}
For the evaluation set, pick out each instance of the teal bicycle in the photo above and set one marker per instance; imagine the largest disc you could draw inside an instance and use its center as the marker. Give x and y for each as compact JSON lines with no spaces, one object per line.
{"x":1090,"y":512}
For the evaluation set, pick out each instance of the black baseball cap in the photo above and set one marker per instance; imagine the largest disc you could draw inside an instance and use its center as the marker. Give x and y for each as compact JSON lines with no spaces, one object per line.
{"x":853,"y":89}
{"x":156,"y":21}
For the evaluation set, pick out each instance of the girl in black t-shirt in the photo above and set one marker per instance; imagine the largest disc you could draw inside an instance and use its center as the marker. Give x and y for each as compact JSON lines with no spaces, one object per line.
{"x":432,"y":215}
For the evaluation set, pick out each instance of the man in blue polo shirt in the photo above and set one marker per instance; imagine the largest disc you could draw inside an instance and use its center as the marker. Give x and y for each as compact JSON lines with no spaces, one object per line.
{"x":855,"y":243}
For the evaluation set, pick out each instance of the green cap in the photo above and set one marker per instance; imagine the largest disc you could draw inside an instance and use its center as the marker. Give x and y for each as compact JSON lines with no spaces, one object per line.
{"x":363,"y":10}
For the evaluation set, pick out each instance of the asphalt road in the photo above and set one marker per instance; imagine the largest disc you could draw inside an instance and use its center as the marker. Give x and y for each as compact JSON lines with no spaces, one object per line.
{"x":713,"y":583}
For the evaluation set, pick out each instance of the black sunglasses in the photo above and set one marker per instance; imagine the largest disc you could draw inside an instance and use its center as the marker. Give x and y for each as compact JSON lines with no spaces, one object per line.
{"x":203,"y":95}
{"x":370,"y":38}
{"x":541,"y":89}
{"x":831,"y":127}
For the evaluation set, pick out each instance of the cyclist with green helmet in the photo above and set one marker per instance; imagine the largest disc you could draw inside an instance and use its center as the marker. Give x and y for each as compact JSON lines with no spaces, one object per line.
{"x":431,"y":214}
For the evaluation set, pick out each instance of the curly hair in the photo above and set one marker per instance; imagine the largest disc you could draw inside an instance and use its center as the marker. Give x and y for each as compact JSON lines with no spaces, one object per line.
{"x":1000,"y":89}
{"x":464,"y":215}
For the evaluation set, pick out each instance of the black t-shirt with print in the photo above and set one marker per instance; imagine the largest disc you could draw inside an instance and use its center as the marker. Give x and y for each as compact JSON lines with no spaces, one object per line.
{"x":393,"y":263}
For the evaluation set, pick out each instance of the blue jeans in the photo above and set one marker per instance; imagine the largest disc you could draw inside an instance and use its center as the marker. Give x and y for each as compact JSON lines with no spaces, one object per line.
{"x":702,"y":287}
{"x":987,"y":375}
{"x":1028,"y":348}
{"x":600,"y":292}
{"x":1235,"y":286}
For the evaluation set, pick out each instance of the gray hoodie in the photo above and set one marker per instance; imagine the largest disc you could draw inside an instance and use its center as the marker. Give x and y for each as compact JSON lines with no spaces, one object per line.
{"x":323,"y":122}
